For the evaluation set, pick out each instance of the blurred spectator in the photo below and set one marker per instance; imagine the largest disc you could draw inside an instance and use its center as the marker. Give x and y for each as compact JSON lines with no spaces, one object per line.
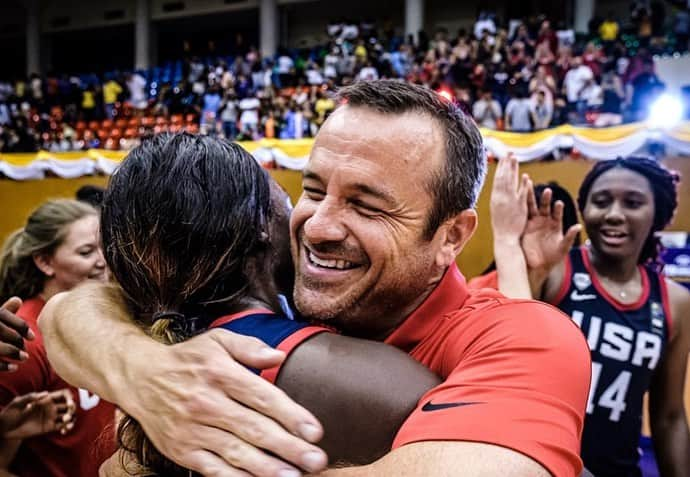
{"x":487,"y":111}
{"x":645,"y":88}
{"x":574,"y":84}
{"x":136,"y":85}
{"x":519,"y":113}
{"x":209,"y":111}
{"x":111,"y":92}
{"x":542,"y":110}
{"x":608,"y":32}
{"x":681,"y":28}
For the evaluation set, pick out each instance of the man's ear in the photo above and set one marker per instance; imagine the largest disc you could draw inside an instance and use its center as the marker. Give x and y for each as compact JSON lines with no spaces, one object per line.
{"x":45,"y":264}
{"x":454,"y":234}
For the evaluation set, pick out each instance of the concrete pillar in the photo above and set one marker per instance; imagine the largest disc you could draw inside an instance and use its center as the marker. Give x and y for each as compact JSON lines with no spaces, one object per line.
{"x":142,"y":35}
{"x":268,"y":28}
{"x":584,"y":11}
{"x":33,"y":37}
{"x":414,"y":18}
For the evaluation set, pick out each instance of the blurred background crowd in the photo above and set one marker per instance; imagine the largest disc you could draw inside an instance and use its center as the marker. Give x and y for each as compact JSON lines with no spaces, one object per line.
{"x":519,"y":75}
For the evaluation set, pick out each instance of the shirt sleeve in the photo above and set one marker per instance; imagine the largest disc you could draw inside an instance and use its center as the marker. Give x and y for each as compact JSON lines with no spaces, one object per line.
{"x":518,"y":377}
{"x":277,"y":332}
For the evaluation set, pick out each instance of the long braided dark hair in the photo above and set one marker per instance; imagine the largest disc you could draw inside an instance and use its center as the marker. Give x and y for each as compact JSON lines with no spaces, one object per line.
{"x":664,"y":185}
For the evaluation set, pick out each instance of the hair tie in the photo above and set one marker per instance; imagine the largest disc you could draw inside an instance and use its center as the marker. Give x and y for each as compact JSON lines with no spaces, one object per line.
{"x":180,"y":323}
{"x":168,"y":315}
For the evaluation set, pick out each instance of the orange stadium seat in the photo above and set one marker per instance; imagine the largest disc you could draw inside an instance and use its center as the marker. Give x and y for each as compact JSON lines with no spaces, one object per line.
{"x":190,"y":118}
{"x":121,"y":123}
{"x":130,"y":133}
{"x":93,"y":125}
{"x":116,"y":133}
{"x":80,"y":126}
{"x":107,"y":124}
{"x":148,"y":121}
{"x":133,"y":123}
{"x":176,"y":119}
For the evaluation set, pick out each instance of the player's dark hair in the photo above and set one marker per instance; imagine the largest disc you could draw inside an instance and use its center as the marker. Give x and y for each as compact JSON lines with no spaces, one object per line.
{"x":90,"y":194}
{"x":664,"y":185}
{"x":180,"y":218}
{"x":455,"y":187}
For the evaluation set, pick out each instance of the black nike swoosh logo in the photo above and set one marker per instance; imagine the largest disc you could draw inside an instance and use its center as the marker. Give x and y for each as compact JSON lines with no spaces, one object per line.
{"x":446,"y":405}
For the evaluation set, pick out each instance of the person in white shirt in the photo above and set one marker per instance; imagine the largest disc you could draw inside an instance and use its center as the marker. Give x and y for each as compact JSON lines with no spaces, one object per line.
{"x":574,"y":83}
{"x":487,"y":111}
{"x":541,"y":110}
{"x":137,"y":96}
{"x":368,"y":73}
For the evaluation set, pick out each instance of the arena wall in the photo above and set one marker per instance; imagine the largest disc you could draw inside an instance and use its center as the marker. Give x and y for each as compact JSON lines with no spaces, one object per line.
{"x":20,"y":197}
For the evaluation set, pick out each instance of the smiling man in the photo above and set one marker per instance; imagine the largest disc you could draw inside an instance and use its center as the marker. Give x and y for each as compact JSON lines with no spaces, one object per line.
{"x":388,"y":201}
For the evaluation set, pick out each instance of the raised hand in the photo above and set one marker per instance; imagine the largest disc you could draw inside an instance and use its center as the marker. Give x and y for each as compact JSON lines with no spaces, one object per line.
{"x":38,"y":413}
{"x":543,"y":241}
{"x":509,"y":201}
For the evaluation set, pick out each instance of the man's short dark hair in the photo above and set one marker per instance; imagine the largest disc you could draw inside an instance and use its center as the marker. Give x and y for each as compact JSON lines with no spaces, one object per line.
{"x":455,"y":187}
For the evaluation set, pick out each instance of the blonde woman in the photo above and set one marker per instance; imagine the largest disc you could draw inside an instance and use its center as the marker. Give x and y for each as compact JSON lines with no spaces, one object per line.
{"x":56,"y":250}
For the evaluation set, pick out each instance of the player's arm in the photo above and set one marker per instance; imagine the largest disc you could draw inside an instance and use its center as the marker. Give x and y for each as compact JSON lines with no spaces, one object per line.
{"x":184,"y":395}
{"x":508,"y":221}
{"x":361,"y":391}
{"x":447,"y":459}
{"x":669,"y":424}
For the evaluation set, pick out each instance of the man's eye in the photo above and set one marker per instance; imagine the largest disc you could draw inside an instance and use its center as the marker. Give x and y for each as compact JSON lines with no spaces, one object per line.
{"x":313,"y":194}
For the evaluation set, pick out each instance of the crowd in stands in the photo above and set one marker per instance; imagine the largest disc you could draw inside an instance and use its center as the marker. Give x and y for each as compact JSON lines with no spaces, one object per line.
{"x":521,"y":76}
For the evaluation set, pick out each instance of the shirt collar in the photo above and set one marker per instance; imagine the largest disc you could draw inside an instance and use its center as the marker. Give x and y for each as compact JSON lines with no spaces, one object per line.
{"x":449,"y":295}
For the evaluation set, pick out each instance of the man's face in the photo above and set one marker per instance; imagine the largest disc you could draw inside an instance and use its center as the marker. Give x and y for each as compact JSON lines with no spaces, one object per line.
{"x":362,"y":261}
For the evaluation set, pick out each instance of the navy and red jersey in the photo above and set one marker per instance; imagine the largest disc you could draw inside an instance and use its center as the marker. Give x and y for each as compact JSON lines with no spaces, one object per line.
{"x":627,"y":342}
{"x":276,"y":330}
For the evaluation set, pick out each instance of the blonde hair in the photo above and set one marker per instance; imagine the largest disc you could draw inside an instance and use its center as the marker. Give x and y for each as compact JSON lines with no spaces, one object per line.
{"x":45,"y":230}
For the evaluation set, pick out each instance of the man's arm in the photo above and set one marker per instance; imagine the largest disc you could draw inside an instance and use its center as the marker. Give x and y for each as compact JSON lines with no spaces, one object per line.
{"x":669,"y":424}
{"x":187,"y":396}
{"x":447,"y":459}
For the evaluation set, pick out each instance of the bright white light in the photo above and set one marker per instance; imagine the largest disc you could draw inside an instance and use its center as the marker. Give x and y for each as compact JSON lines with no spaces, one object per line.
{"x":666,"y":112}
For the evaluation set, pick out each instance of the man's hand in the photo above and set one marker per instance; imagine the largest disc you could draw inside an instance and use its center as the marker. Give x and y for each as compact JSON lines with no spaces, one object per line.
{"x":543,"y":241}
{"x":13,"y":331}
{"x":38,"y":413}
{"x":207,"y":412}
{"x":509,"y":201}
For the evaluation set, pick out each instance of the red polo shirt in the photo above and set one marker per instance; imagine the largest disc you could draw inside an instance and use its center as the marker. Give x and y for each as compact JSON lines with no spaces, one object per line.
{"x":516,"y":374}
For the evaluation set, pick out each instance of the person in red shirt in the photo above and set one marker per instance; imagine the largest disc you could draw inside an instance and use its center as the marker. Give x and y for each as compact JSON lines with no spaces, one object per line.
{"x":55,"y":251}
{"x":387,"y":206}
